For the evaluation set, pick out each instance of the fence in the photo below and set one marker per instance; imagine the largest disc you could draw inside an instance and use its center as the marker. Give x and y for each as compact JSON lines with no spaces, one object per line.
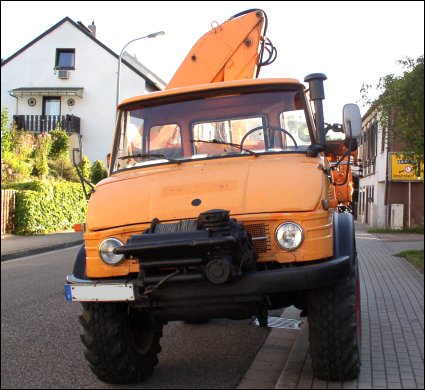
{"x":7,"y":209}
{"x":45,"y":123}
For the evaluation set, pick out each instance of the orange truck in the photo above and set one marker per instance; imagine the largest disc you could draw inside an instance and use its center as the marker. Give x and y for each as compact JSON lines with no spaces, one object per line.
{"x":221,"y":202}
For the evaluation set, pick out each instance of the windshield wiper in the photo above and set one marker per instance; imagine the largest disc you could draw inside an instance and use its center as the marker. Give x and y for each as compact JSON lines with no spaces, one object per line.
{"x":216,"y":141}
{"x":150,"y":155}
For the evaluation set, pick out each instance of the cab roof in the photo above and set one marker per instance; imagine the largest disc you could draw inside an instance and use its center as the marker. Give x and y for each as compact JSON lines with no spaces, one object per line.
{"x":199,"y":89}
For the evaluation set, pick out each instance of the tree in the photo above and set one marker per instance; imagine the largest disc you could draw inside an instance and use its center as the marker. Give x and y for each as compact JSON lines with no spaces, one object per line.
{"x":401,"y":103}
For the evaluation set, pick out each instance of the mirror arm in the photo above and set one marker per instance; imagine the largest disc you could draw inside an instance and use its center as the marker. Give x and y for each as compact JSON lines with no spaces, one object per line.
{"x":347,"y":153}
{"x":83,"y":180}
{"x":349,"y":125}
{"x":342,"y":158}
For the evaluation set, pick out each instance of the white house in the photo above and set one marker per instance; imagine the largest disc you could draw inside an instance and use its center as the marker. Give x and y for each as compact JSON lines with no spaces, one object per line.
{"x":389,"y":194}
{"x":67,"y":75}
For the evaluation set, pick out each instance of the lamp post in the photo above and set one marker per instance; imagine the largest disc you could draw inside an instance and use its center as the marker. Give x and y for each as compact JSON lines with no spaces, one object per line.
{"x":153,"y":35}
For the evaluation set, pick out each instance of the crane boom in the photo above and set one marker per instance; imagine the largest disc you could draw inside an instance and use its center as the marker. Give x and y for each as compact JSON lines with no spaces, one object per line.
{"x":229,"y":51}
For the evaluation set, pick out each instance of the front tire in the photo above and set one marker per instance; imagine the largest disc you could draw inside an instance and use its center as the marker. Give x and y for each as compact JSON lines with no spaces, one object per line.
{"x":334,"y":313}
{"x":121,"y":343}
{"x":334,"y":323}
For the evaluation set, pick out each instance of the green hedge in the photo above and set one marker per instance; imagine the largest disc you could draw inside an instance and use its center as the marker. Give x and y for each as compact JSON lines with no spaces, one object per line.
{"x":45,"y":207}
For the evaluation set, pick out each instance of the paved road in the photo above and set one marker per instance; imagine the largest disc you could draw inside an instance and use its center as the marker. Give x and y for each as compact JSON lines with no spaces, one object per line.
{"x":41,"y":346}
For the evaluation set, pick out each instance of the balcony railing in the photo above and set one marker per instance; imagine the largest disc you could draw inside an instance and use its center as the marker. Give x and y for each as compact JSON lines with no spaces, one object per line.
{"x":45,"y":123}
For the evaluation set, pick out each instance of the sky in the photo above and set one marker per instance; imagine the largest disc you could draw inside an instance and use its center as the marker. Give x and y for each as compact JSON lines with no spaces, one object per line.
{"x":351,"y":42}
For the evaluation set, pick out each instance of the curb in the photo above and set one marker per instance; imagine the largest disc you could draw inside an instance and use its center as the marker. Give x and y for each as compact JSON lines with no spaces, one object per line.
{"x":37,"y":251}
{"x":266,"y":368}
{"x":291,"y":371}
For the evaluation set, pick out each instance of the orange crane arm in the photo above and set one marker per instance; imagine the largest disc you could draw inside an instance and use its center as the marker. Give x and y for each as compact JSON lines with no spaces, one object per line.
{"x":230,"y":51}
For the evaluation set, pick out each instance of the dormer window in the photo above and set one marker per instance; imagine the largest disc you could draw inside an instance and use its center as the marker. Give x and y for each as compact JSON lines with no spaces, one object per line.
{"x":65,"y":59}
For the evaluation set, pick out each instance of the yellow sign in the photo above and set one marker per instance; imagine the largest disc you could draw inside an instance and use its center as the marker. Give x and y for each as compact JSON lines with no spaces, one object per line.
{"x":403,"y":170}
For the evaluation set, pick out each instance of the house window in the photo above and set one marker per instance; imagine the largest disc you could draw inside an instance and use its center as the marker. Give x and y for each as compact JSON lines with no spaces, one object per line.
{"x":51,"y":105}
{"x":383,"y":141}
{"x":65,"y":58}
{"x":360,"y":207}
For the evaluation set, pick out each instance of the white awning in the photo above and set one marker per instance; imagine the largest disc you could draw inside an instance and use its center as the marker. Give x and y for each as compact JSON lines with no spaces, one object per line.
{"x":46,"y":91}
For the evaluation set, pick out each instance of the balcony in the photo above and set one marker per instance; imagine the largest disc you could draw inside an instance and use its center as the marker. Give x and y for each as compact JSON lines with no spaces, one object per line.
{"x":45,"y":123}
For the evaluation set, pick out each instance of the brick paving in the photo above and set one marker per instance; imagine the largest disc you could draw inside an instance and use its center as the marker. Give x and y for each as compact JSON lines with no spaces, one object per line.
{"x":392,"y":317}
{"x":392,"y":299}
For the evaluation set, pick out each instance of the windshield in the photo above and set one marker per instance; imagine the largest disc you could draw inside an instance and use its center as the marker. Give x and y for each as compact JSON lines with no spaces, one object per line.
{"x":212,"y":127}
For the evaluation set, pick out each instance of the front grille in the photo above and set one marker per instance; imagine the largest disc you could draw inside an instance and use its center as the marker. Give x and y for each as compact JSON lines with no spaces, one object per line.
{"x":260,"y":234}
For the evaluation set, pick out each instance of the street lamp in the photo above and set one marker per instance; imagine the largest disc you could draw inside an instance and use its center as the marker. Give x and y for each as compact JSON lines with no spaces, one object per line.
{"x":154,"y":35}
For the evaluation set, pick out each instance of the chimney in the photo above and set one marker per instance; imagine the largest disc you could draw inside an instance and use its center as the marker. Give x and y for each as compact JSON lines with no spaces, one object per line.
{"x":92,"y":28}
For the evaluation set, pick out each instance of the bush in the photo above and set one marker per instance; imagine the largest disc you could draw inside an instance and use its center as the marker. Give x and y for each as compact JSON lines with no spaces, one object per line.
{"x":17,"y":150}
{"x":35,"y":185}
{"x":4,"y":118}
{"x":60,"y":144}
{"x":62,"y":168}
{"x":14,"y":168}
{"x":41,"y":206}
{"x":5,"y":132}
{"x":22,"y":143}
{"x":85,"y":167}
{"x":19,"y":142}
{"x":98,"y":171}
{"x":42,"y":147}
{"x":44,"y":207}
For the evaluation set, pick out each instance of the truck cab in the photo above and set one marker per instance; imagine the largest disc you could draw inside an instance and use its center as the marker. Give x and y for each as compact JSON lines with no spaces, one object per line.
{"x":220,"y":203}
{"x":240,"y":146}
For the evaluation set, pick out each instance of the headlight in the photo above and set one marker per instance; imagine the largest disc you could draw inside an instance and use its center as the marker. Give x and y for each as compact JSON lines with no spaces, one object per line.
{"x":289,"y":236}
{"x":106,"y":251}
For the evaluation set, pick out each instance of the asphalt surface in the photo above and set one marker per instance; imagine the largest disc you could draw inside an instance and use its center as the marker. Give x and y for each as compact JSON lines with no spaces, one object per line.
{"x":41,"y":346}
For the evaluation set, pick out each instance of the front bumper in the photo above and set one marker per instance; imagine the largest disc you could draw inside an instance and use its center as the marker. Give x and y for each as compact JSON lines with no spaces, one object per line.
{"x":297,"y":278}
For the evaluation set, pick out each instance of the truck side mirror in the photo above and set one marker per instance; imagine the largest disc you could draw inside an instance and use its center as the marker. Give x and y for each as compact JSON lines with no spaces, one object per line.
{"x":351,"y":121}
{"x":75,"y":151}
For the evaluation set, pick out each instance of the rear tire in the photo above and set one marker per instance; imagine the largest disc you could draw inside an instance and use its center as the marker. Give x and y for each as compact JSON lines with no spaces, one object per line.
{"x":121,"y":343}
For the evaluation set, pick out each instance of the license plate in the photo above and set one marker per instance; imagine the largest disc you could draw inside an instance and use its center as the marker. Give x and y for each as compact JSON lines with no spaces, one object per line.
{"x":99,"y":292}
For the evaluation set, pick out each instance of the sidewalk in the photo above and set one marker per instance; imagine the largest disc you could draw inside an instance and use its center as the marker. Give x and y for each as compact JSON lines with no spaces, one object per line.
{"x":13,"y":247}
{"x":392,"y":312}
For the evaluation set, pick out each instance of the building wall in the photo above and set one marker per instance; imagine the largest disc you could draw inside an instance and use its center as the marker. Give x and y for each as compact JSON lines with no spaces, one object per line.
{"x":381,"y":206}
{"x":378,"y":196}
{"x":398,"y":193}
{"x":95,"y":71}
{"x":371,"y":192}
